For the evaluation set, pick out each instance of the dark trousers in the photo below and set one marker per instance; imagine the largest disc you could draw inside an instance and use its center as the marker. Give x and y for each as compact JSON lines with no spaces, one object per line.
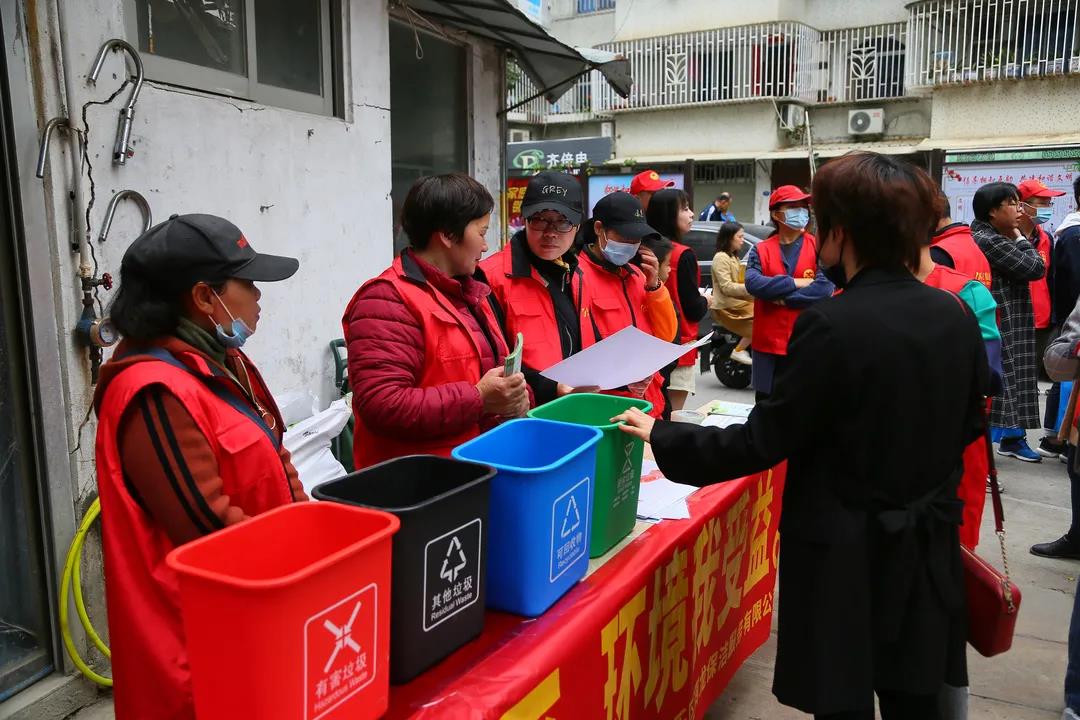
{"x":1072,"y":670}
{"x":894,"y":706}
{"x":1053,"y":404}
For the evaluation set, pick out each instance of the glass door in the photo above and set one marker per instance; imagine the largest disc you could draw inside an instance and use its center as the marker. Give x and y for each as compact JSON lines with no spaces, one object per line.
{"x":26,"y":643}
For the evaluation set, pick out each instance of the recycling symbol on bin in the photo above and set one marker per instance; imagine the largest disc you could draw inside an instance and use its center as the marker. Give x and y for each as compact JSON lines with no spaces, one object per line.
{"x":572,"y":520}
{"x":450,"y":572}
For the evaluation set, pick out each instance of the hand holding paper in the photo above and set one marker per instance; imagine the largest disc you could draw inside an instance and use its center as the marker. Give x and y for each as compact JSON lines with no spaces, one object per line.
{"x":619,"y":360}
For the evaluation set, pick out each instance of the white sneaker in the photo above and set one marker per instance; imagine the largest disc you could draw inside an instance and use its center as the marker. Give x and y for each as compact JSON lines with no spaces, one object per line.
{"x":742,"y":357}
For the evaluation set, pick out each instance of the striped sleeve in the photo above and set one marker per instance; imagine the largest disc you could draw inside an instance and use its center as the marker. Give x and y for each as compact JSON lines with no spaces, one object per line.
{"x":170,"y":470}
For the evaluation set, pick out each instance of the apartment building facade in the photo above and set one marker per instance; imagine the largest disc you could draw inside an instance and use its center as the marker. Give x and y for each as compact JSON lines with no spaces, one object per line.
{"x":747,"y":96}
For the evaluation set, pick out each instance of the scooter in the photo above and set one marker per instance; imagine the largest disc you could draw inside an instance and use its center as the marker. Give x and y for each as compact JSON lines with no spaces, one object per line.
{"x":732,"y":374}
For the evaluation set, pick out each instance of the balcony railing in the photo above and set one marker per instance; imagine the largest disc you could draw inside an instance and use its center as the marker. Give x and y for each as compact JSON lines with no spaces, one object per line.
{"x":865,"y":63}
{"x":963,"y":41}
{"x":578,"y":101}
{"x":771,"y":60}
{"x":590,"y":6}
{"x":943,"y":42}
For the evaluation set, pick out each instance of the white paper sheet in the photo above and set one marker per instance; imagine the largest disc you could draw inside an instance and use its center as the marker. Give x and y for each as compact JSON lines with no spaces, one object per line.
{"x":664,"y":500}
{"x":722,"y":421}
{"x":628,"y":356}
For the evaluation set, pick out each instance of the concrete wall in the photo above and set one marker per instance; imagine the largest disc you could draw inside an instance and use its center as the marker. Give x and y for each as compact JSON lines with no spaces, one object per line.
{"x":1036,"y":108}
{"x":742,"y":198}
{"x":310,"y":186}
{"x":585,"y":30}
{"x":904,"y":119}
{"x":280,"y":175}
{"x":694,"y":131}
{"x":649,"y":18}
{"x":836,"y":14}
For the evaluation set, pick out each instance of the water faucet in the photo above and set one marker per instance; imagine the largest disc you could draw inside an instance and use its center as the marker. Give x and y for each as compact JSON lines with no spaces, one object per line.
{"x":122,"y":149}
{"x":110,"y":211}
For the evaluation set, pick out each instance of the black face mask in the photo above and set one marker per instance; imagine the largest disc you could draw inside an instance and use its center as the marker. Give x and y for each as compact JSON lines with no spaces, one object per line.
{"x":836,"y":274}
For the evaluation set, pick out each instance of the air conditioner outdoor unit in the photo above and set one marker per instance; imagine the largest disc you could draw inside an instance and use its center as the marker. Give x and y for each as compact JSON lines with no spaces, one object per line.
{"x":870,"y":121}
{"x":791,"y":117}
{"x":520,"y":136}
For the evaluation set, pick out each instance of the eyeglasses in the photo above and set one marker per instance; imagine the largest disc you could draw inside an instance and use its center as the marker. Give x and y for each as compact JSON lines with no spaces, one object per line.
{"x":562,"y":225}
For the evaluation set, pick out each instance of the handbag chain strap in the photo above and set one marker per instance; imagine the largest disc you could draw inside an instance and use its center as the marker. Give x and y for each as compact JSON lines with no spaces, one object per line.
{"x":999,"y":519}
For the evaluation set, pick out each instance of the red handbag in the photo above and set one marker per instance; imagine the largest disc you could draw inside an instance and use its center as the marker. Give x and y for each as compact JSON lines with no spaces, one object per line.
{"x":993,"y":600}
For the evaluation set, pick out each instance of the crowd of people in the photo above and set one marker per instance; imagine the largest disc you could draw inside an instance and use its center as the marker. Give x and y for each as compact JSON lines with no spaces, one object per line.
{"x":848,"y":331}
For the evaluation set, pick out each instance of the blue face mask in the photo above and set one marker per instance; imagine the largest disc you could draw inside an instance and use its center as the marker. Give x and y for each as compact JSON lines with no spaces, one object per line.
{"x":618,"y":253}
{"x":1043,"y":215}
{"x":240,"y":330}
{"x":797,"y":218}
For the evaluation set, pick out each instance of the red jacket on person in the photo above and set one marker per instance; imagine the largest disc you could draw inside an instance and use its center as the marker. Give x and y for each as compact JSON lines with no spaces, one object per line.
{"x":418,"y":342}
{"x":526,"y":303}
{"x":146,"y":633}
{"x":1040,"y":289}
{"x":619,"y":301}
{"x":773,"y":323}
{"x":688,"y":331}
{"x":956,"y":242}
{"x":972,"y":488}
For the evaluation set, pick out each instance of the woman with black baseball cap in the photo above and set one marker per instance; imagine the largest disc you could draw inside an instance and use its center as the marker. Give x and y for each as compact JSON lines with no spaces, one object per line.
{"x":537,"y":286}
{"x":624,"y":294}
{"x":188,"y":438}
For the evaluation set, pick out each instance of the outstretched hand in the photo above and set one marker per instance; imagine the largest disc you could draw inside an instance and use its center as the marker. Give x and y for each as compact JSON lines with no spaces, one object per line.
{"x":636,"y":423}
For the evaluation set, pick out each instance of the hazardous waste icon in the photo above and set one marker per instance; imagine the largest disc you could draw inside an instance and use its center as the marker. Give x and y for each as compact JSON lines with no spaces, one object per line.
{"x":342,"y":636}
{"x":454,"y":554}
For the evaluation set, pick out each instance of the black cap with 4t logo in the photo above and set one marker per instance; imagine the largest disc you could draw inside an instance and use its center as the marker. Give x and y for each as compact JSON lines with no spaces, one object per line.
{"x":622,"y":213}
{"x":186,"y":249}
{"x":553,"y":191}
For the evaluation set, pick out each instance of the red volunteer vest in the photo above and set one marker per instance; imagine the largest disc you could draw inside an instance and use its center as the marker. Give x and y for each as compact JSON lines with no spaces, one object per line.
{"x":618,"y":301}
{"x":972,"y":489}
{"x":688,"y":331}
{"x":1040,"y":289}
{"x":966,"y":256}
{"x":149,"y":655}
{"x":450,"y":355}
{"x":528,"y":309}
{"x":773,"y":323}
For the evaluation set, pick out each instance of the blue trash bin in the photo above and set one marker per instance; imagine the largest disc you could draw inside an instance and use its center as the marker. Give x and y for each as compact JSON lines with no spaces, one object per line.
{"x":541,"y":503}
{"x":1063,"y":402}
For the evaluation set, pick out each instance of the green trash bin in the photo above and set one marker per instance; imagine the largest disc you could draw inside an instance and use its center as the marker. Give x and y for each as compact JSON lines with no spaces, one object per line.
{"x":618,"y":462}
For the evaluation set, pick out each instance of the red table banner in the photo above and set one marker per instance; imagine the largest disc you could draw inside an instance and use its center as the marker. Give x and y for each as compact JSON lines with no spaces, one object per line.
{"x":656,"y":632}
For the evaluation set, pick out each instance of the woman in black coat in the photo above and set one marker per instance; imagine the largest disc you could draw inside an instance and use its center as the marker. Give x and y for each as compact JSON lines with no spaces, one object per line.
{"x":883,"y":390}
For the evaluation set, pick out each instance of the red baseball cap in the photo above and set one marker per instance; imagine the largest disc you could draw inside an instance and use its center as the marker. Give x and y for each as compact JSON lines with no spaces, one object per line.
{"x":648,"y":181}
{"x":1036,"y":188}
{"x":787,"y":194}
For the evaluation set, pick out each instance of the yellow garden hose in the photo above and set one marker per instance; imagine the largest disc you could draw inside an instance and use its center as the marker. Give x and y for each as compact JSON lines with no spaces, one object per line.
{"x":71,"y":577}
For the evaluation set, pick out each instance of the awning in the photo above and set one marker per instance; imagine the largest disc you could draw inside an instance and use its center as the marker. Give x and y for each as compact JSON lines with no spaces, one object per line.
{"x":1017,"y":148}
{"x":551,"y":65}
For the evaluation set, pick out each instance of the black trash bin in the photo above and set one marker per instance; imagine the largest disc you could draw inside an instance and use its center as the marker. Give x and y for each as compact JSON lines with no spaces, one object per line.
{"x":439,"y":554}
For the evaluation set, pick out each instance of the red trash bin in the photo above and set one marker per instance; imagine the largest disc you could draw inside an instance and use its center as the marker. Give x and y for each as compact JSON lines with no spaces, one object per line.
{"x":287,"y":615}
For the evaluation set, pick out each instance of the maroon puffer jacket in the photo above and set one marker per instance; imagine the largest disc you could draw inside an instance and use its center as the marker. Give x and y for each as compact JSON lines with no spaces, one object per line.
{"x":385,"y":344}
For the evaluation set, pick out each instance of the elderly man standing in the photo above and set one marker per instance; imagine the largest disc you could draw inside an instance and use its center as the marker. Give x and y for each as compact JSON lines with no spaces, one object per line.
{"x":719,"y":210}
{"x":1014,"y":263}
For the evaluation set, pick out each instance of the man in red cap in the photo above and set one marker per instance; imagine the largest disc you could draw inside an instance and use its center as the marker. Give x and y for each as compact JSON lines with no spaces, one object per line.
{"x":645,"y":183}
{"x":1036,"y":208}
{"x":782,"y":274}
